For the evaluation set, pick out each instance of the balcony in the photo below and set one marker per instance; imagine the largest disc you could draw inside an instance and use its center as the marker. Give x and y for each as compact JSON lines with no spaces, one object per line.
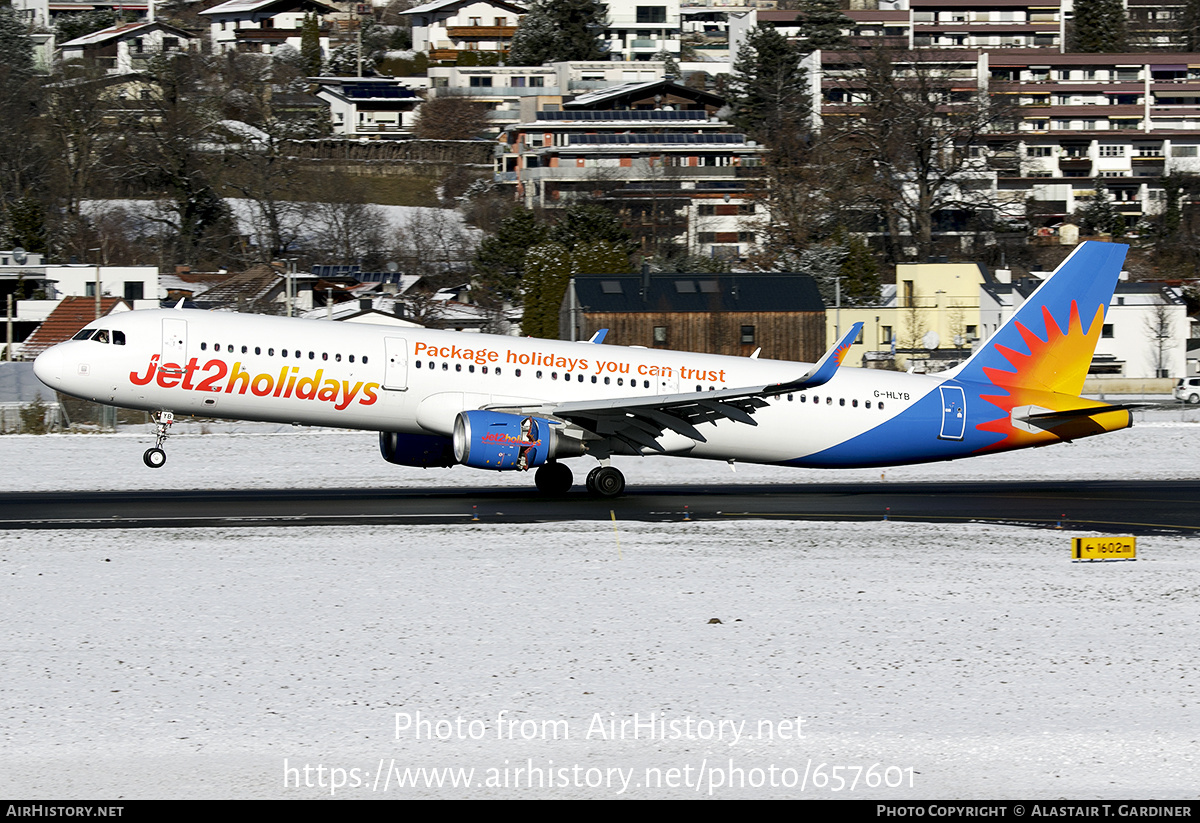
{"x":481,"y":32}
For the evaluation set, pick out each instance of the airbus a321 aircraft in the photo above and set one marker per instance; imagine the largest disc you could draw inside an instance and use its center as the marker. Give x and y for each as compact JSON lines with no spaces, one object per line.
{"x":440,"y":398}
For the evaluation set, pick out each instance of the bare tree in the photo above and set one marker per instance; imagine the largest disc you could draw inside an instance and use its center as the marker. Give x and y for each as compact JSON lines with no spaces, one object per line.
{"x":918,"y":139}
{"x":431,"y":242}
{"x":1160,"y":329}
{"x":450,"y":117}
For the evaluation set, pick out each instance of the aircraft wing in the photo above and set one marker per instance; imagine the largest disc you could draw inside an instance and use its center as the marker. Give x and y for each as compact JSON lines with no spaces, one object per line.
{"x":638,"y":422}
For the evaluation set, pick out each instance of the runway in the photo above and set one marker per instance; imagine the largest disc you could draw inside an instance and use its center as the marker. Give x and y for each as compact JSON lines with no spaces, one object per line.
{"x":1139,"y":507}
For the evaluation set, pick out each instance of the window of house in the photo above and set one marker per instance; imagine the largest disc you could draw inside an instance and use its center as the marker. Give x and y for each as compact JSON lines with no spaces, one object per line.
{"x":652,"y":14}
{"x":481,"y":82}
{"x":660,"y":336}
{"x":1107,"y":330}
{"x":747,"y":334}
{"x":135,"y":290}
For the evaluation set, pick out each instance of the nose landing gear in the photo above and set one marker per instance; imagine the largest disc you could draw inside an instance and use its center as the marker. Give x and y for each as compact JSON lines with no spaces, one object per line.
{"x":155,"y":457}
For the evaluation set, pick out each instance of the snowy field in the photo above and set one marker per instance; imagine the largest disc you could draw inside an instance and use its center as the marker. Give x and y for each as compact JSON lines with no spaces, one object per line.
{"x":1164,"y":445}
{"x":577,"y":660}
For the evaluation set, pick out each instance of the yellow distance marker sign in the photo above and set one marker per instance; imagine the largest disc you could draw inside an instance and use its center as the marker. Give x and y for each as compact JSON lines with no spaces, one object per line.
{"x":1104,"y":548}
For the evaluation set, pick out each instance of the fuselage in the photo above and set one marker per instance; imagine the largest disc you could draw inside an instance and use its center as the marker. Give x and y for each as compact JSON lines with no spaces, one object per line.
{"x":411,"y":380}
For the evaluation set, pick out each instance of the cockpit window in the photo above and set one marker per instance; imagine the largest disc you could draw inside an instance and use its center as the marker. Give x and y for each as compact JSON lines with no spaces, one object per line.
{"x":102,"y":336}
{"x":118,"y":338}
{"x":83,"y":334}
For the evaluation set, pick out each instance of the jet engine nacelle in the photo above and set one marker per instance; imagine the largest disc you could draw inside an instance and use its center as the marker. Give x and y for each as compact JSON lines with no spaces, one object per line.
{"x":508,"y":442}
{"x":424,"y":451}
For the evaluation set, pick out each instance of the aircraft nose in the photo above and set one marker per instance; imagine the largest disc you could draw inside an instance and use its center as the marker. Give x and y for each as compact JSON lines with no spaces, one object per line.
{"x":48,"y":366}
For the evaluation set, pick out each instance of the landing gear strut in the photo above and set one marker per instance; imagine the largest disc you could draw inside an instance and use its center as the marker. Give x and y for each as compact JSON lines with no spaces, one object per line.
{"x":605,"y":481}
{"x":553,"y":479}
{"x":155,"y":457}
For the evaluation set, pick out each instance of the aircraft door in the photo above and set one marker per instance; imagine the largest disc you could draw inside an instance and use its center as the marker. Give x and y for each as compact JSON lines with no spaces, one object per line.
{"x":174,"y":340}
{"x":395,"y":374}
{"x":954,"y":413}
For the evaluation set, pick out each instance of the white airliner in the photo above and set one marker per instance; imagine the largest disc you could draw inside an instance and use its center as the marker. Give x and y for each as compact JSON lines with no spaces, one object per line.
{"x":441,"y":398}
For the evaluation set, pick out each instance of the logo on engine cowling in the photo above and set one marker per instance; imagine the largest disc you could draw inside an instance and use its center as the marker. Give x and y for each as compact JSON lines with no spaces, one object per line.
{"x":508,"y":440}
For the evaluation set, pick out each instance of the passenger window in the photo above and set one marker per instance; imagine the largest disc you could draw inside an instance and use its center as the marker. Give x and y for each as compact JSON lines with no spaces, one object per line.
{"x":231,"y":348}
{"x":245,"y":349}
{"x":364,"y":358}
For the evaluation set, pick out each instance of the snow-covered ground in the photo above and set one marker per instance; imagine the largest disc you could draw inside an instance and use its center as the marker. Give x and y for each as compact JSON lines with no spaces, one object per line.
{"x":579,"y":659}
{"x":211,"y":454}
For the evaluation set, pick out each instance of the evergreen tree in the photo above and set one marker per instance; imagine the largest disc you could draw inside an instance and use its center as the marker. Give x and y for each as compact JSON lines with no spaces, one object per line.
{"x":69,"y":26}
{"x":555,"y":30}
{"x":1099,"y":26}
{"x":310,"y":45}
{"x":601,"y":257}
{"x":16,"y":47}
{"x":547,"y":272}
{"x":821,"y":25}
{"x":500,"y":259}
{"x":582,"y":224}
{"x":27,"y":225}
{"x":860,"y":274}
{"x":769,"y":89}
{"x":1100,"y":215}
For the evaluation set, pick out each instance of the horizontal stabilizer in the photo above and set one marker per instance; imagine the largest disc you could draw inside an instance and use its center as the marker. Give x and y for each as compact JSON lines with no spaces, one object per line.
{"x":1070,"y":424}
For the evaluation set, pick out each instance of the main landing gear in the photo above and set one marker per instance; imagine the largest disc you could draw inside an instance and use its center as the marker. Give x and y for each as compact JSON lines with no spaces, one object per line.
{"x":555,"y":479}
{"x":605,"y":481}
{"x":155,"y":457}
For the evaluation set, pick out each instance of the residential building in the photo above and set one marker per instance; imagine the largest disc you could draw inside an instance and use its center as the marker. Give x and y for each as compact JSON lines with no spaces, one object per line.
{"x":1127,"y":118}
{"x":513,"y":94}
{"x":781,"y":315}
{"x":935,"y":314}
{"x":657,"y":152}
{"x":42,"y":13}
{"x":261,"y":26}
{"x":930,"y":312}
{"x":643,"y":32}
{"x":444,"y":28}
{"x":367,"y":106}
{"x":128,"y":47}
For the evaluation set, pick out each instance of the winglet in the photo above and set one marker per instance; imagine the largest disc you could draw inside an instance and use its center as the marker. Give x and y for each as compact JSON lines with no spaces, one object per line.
{"x":598,"y":337}
{"x":827,"y":366}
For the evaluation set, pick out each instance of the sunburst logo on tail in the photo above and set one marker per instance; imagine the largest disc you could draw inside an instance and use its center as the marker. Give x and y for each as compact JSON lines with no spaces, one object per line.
{"x":1049,"y":376}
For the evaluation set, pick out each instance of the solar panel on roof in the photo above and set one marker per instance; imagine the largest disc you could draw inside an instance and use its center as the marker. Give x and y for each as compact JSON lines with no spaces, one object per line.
{"x":621,"y":115}
{"x":655,"y":139}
